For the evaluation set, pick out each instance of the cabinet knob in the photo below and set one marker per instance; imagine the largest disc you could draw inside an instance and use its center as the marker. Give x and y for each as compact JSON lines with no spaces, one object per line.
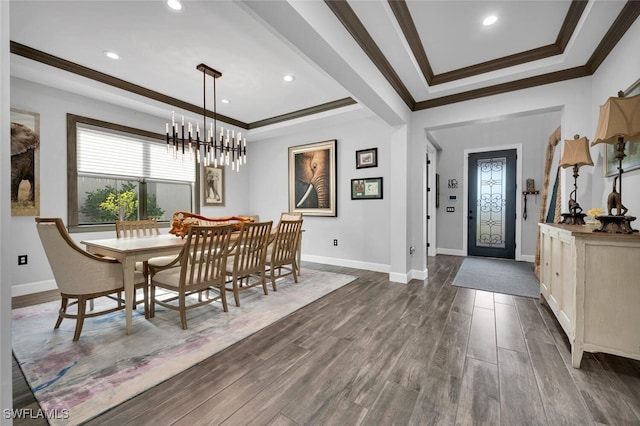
{"x":557,"y":274}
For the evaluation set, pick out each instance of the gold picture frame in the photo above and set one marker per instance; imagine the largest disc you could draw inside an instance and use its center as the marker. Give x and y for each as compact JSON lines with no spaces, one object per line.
{"x":312,"y":179}
{"x":213,"y":186}
{"x":25,"y":163}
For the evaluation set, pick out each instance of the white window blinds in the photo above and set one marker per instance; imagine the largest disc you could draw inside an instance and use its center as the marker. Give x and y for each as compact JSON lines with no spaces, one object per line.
{"x":113,"y":153}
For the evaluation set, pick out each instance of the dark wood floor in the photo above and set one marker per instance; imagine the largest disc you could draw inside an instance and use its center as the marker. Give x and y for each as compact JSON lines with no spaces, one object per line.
{"x":380,"y":353}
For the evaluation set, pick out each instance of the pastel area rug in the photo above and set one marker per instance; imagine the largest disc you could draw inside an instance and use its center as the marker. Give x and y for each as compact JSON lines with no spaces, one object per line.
{"x":499,"y":276}
{"x":106,"y":367}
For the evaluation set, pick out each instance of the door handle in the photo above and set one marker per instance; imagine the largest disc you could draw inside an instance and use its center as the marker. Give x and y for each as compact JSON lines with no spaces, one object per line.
{"x":470,"y":215}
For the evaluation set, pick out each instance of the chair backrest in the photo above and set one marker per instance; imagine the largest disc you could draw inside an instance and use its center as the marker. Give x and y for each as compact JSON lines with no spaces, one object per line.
{"x":290,"y":215}
{"x":137,"y":228}
{"x":204,"y":256}
{"x":250,"y":249}
{"x":285,"y":242}
{"x":75,"y":270}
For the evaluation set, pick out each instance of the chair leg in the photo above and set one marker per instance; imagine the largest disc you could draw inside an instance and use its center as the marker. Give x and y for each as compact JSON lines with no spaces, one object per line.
{"x":294,"y":272}
{"x":152,"y":302}
{"x":236,"y":294}
{"x":82,"y":306}
{"x":145,"y":296}
{"x":183,"y":310}
{"x":223,"y":296}
{"x":264,"y":282}
{"x":273,"y":279}
{"x":63,"y":310}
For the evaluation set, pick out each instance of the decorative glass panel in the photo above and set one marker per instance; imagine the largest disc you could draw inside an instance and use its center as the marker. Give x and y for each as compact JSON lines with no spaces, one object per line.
{"x":490,"y":215}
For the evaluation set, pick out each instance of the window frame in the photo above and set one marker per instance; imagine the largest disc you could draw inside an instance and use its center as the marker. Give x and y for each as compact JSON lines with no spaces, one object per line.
{"x":72,"y":168}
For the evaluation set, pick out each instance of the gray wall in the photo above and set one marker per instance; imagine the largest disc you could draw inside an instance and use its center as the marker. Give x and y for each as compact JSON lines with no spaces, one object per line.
{"x":532,"y":132}
{"x":362,"y":226}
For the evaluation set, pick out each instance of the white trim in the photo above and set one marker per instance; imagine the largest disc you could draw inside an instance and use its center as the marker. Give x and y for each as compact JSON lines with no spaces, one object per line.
{"x":430,"y":198}
{"x":32,"y":288}
{"x":465,"y":195}
{"x":527,"y":258}
{"x":418,"y":275}
{"x":367,"y":266}
{"x":451,"y":252}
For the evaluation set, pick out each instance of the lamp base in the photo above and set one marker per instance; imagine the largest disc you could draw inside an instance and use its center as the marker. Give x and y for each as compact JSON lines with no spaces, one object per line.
{"x":573,"y":218}
{"x":615,"y":224}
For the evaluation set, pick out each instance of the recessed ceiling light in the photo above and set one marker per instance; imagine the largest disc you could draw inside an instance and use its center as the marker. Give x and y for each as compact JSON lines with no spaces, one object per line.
{"x":174,"y":4}
{"x":490,"y":20}
{"x":112,"y":55}
{"x":225,"y":101}
{"x":288,"y":78}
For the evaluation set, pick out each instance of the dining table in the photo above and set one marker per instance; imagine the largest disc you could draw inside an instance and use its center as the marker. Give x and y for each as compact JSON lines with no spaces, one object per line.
{"x":128,"y":251}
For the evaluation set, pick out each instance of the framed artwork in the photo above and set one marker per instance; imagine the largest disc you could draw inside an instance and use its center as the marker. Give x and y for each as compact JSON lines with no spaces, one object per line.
{"x":367,"y":158}
{"x":25,"y":163}
{"x":632,"y":150}
{"x":312,"y":179}
{"x":366,"y":189}
{"x":213,"y":184}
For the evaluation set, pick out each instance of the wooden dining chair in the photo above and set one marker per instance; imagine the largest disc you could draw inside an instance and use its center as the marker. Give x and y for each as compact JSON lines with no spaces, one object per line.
{"x":295,"y":216}
{"x":137,"y":228}
{"x":202,"y":266}
{"x":246,"y":263}
{"x":282,"y":251}
{"x":142,"y":228}
{"x":79,"y":275}
{"x":133,"y":229}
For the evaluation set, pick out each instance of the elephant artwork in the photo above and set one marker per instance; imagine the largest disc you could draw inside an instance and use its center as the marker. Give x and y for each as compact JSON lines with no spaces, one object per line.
{"x":25,"y":144}
{"x":312,"y":179}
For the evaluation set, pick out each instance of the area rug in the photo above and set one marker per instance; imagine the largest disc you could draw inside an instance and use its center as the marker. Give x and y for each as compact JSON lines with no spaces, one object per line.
{"x":77,"y":381}
{"x":499,"y":276}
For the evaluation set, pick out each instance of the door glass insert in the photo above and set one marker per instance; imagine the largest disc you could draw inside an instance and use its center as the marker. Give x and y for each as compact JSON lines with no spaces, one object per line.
{"x":491,"y":190}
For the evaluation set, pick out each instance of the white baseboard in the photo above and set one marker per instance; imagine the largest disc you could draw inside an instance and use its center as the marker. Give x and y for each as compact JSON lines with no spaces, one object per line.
{"x":367,"y":266}
{"x":450,"y":252}
{"x":527,"y":258}
{"x":419,"y":275}
{"x":31,"y":288}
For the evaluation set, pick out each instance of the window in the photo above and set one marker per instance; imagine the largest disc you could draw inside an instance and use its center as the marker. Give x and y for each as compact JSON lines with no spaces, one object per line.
{"x":120,"y":172}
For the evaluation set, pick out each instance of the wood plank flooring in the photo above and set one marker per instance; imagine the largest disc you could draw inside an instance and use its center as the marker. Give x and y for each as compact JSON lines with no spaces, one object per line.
{"x":381,"y":353}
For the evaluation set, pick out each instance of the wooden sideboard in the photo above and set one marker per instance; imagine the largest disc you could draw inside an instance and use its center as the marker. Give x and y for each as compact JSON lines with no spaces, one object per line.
{"x":591,"y":282}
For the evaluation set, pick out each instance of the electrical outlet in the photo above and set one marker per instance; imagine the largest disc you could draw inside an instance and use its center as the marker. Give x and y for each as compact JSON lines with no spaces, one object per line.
{"x":451,"y":209}
{"x":412,"y":249}
{"x":335,"y":242}
{"x":22,"y":259}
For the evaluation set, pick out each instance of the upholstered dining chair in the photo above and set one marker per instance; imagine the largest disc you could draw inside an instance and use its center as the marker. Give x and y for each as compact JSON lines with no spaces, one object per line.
{"x":295,"y":216}
{"x":282,"y":251}
{"x":246,"y":263}
{"x":79,"y":275}
{"x":202,"y":263}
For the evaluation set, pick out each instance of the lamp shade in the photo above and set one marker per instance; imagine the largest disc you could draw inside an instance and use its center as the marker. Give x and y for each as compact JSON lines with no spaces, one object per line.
{"x":619,"y":117}
{"x":576,"y":153}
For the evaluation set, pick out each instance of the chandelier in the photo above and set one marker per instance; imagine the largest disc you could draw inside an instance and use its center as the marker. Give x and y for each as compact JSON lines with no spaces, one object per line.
{"x":227,"y":148}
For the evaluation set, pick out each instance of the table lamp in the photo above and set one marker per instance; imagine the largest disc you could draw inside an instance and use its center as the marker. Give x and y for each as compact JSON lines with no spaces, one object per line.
{"x":576,"y":154}
{"x":618,"y":124}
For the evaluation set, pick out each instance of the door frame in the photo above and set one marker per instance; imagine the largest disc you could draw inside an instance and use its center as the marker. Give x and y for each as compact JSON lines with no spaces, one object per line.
{"x":429,"y":204}
{"x":465,"y":196}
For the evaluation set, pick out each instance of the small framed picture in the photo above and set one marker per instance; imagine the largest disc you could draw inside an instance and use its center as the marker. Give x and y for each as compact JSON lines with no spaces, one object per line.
{"x":367,"y":158}
{"x":213,"y":186}
{"x":366,"y":189}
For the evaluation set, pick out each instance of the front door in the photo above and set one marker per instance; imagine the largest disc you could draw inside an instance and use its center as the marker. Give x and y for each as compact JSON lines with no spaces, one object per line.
{"x":492,"y":204}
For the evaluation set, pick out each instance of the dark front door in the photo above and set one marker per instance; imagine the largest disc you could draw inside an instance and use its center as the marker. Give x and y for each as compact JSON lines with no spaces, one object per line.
{"x":492,"y":204}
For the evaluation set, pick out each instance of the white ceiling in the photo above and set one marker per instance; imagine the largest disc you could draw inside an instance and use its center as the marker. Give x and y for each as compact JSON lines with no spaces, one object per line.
{"x":255,"y":43}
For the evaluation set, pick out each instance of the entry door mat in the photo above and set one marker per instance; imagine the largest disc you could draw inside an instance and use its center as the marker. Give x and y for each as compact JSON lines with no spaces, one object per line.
{"x":499,"y":276}
{"x":79,"y":380}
